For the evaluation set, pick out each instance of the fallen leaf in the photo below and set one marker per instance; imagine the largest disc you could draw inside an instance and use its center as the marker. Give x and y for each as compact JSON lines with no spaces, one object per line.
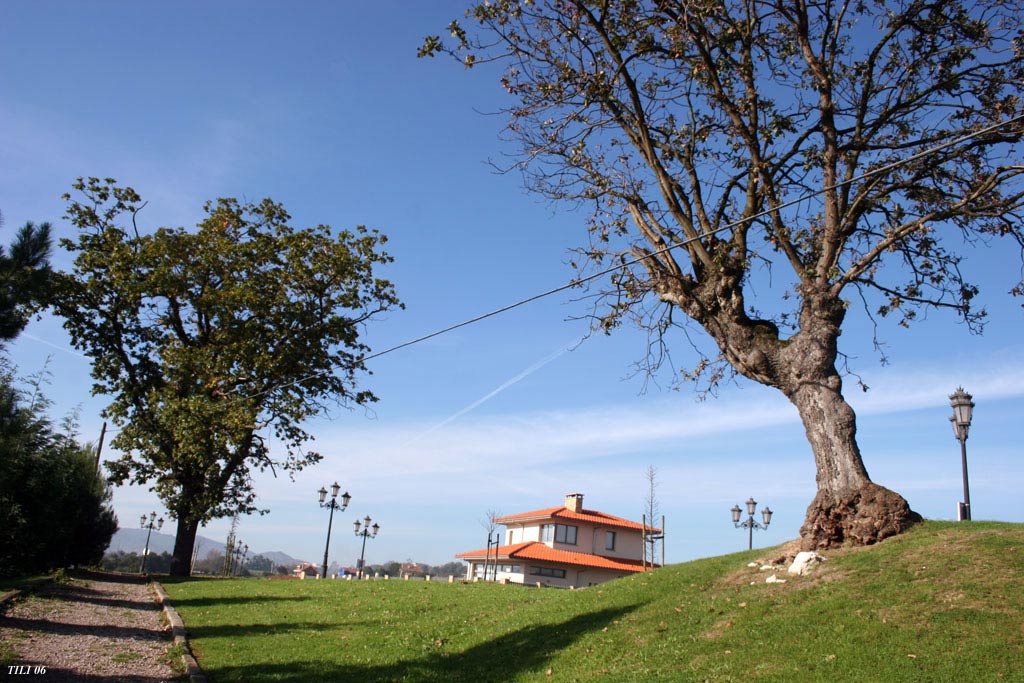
{"x":912,"y":656}
{"x":548,"y":672}
{"x":742,"y":604}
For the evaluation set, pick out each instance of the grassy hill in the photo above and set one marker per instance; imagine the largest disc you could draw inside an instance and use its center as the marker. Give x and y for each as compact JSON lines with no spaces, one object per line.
{"x":942,"y":603}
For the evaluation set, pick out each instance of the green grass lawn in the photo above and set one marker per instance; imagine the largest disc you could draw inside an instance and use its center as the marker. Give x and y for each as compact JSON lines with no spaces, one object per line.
{"x":942,"y":603}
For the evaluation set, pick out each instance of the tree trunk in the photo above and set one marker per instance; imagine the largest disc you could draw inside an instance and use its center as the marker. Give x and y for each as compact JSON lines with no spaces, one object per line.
{"x":184,"y":540}
{"x":849,"y":507}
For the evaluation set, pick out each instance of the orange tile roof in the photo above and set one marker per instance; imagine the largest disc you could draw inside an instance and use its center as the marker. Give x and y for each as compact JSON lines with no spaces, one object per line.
{"x":503,"y":551}
{"x":592,"y":516}
{"x":537,"y":551}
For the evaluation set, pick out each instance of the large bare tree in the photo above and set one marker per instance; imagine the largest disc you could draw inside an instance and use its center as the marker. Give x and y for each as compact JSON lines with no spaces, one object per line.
{"x":718,"y":144}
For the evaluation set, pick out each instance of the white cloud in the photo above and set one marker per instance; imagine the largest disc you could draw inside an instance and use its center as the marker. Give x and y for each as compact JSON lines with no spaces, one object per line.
{"x":711,"y":454}
{"x":520,"y":453}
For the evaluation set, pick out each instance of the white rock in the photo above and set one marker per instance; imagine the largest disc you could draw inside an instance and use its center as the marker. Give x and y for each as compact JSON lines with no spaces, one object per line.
{"x":774,"y":579}
{"x":804,"y":561}
{"x":752,"y":564}
{"x":767,"y":567}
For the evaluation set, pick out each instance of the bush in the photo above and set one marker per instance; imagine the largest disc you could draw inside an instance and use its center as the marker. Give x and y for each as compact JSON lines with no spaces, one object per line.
{"x":54,"y":506}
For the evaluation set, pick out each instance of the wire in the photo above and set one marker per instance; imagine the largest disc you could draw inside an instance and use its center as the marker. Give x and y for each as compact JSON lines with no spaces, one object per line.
{"x":626,"y":263}
{"x":632,"y":262}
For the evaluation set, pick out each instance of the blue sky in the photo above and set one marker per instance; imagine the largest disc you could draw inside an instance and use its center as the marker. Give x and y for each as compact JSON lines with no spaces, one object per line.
{"x":325,"y":108}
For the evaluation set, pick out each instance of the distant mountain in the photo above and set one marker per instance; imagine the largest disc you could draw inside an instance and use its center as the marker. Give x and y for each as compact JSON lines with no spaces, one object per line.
{"x":279,"y":558}
{"x":134,"y":541}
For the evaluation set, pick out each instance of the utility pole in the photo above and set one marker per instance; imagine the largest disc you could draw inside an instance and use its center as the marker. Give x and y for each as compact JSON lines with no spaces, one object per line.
{"x":99,"y":448}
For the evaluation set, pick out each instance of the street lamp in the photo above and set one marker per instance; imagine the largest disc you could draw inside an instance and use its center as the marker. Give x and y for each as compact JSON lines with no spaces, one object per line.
{"x":332,"y":505}
{"x":149,"y":523}
{"x":962,"y":405}
{"x":365,"y":533}
{"x":749,"y":523}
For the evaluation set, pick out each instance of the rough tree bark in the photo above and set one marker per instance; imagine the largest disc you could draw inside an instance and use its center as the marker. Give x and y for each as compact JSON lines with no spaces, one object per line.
{"x":848,"y":506}
{"x":184,"y":542}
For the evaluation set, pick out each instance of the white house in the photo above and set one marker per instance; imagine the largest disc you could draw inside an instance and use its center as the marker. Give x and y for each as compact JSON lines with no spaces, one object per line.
{"x":565,"y":546}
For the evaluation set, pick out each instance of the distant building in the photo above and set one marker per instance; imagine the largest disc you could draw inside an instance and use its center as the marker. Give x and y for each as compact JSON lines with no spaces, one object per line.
{"x":414,"y":570}
{"x":565,"y":546}
{"x":306,"y":570}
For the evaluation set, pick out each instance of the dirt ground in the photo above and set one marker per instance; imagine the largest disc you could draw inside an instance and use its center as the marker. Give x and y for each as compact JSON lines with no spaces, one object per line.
{"x":97,"y":627}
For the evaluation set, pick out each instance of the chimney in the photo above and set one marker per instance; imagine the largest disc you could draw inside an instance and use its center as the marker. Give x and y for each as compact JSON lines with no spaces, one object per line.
{"x":574,"y":502}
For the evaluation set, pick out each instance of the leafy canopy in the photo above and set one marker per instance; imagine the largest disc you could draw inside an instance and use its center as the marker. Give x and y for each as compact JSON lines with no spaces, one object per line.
{"x":24,"y":277}
{"x":208,"y":341}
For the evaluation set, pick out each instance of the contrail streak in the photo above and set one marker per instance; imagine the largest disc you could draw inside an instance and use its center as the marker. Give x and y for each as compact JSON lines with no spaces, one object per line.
{"x":505,"y":385}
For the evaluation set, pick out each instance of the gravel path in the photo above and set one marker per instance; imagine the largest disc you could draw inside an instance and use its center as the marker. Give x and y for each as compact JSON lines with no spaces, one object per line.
{"x":100,"y":627}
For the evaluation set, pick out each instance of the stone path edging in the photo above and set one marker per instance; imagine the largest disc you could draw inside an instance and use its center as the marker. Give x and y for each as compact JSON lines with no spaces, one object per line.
{"x":7,"y":597}
{"x":11,"y":595}
{"x":195,"y":673}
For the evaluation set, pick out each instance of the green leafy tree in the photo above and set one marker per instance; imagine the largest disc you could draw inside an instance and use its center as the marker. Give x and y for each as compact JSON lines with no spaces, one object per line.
{"x":212,"y":564}
{"x":457,"y":569}
{"x":259,"y":563}
{"x":120,"y":561}
{"x":54,"y":506}
{"x":690,"y":129}
{"x":205,"y":339}
{"x":24,"y":277}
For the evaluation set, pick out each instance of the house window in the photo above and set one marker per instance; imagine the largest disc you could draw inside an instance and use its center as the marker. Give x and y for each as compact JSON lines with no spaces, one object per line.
{"x":548,"y":571}
{"x":609,"y":540}
{"x":565,"y":534}
{"x":562,"y":533}
{"x":478,"y":569}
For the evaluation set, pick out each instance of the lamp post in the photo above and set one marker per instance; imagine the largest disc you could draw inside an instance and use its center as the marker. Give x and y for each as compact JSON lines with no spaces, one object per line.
{"x":365,"y":533}
{"x":332,"y":505}
{"x":962,"y":405}
{"x":749,"y":523}
{"x":149,"y":523}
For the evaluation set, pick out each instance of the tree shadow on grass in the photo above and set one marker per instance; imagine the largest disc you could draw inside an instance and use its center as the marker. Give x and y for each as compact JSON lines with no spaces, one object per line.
{"x":501,"y":659}
{"x":235,"y":631}
{"x":236,"y":600}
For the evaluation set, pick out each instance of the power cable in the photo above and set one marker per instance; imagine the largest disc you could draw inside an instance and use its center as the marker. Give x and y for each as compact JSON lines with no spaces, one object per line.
{"x":682,"y":243}
{"x":626,"y":263}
